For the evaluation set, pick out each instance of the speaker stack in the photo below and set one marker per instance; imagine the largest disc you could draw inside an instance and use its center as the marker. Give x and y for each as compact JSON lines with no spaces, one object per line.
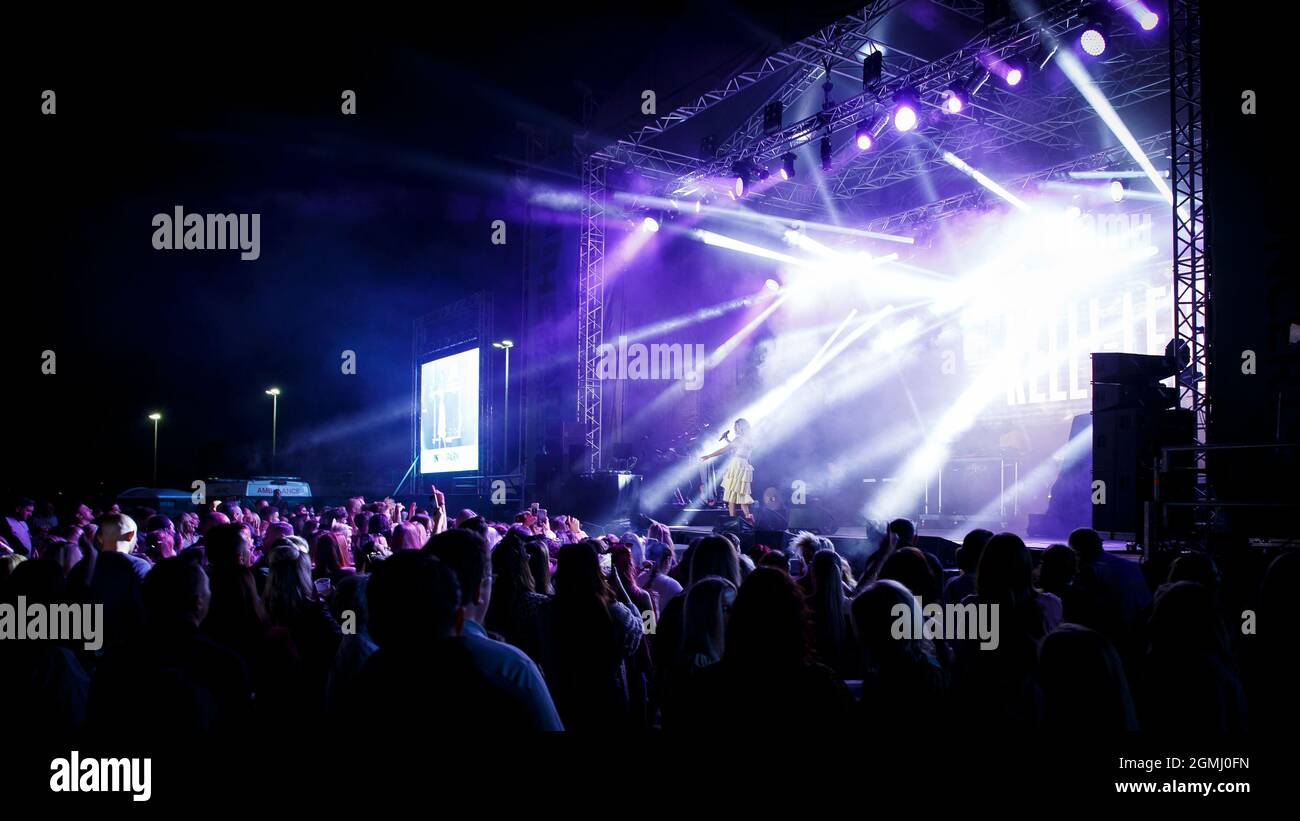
{"x":1133,"y":417}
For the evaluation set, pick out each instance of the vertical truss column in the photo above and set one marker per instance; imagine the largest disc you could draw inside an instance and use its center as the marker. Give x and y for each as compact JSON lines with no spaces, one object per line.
{"x":591,"y":306}
{"x":1192,"y":274}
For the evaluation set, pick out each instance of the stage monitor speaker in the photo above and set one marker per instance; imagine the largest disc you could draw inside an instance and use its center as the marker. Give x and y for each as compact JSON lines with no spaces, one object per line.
{"x":770,"y":519}
{"x":945,"y":550}
{"x":813,"y":519}
{"x":606,"y":495}
{"x":734,"y":524}
{"x":738,"y":525}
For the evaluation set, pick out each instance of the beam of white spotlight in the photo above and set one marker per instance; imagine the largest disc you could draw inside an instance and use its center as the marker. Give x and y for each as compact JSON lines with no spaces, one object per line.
{"x":1100,"y":191}
{"x":774,"y":399}
{"x":740,"y":213}
{"x":836,"y":262}
{"x":979,"y":177}
{"x":838,"y":330}
{"x":1083,"y":81}
{"x":1040,"y":476}
{"x":925,"y":462}
{"x":804,"y":242}
{"x":693,"y":318}
{"x":826,"y":228}
{"x":655,"y":406}
{"x":724,"y":350}
{"x":720,"y":241}
{"x":1106,"y":175}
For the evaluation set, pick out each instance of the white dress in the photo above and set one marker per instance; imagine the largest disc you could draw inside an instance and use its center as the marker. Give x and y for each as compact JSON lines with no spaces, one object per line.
{"x":740,"y":473}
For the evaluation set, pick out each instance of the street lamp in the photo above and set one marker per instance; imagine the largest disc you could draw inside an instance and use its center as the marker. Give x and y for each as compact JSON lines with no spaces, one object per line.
{"x":274,"y":393}
{"x":156,"y":418}
{"x":506,"y":345}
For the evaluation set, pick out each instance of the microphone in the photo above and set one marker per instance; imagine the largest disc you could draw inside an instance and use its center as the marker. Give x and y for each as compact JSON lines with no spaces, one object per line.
{"x":725,"y":435}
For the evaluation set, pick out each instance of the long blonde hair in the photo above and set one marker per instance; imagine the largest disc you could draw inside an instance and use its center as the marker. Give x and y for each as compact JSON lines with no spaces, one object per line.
{"x":288,"y":585}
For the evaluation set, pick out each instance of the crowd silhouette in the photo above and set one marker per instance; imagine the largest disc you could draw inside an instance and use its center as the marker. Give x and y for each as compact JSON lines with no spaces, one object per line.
{"x":374,"y":616}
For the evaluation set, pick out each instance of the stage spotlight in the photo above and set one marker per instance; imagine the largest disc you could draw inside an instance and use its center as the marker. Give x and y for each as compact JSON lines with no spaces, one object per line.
{"x":1015,"y":73}
{"x":956,"y":99}
{"x":787,"y":166}
{"x":1118,"y":190}
{"x":763,"y":174}
{"x":906,"y":110}
{"x":905,"y":117}
{"x":650,"y":225}
{"x":772,"y":285}
{"x":826,"y":154}
{"x":864,"y":139}
{"x":740,"y":173}
{"x":1141,"y":14}
{"x":1093,"y":40}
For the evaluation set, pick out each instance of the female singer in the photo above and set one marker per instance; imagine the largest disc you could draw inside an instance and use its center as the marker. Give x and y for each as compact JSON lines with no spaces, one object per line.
{"x":740,"y":473}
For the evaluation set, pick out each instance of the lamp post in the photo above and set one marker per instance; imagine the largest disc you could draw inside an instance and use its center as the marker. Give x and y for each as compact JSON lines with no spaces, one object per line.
{"x":274,"y":393}
{"x":156,"y":418}
{"x":506,"y":345}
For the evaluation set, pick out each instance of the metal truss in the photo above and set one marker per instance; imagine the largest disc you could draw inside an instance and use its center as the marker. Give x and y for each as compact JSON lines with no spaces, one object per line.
{"x":1154,"y":147}
{"x":1192,"y":270}
{"x":810,"y":51}
{"x":928,"y":78}
{"x":591,"y":306}
{"x":1053,"y":121}
{"x":805,"y":63}
{"x":996,"y":120}
{"x":842,"y":43}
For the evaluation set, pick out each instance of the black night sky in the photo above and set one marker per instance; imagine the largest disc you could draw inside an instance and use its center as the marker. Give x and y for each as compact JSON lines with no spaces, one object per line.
{"x":367,"y":222}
